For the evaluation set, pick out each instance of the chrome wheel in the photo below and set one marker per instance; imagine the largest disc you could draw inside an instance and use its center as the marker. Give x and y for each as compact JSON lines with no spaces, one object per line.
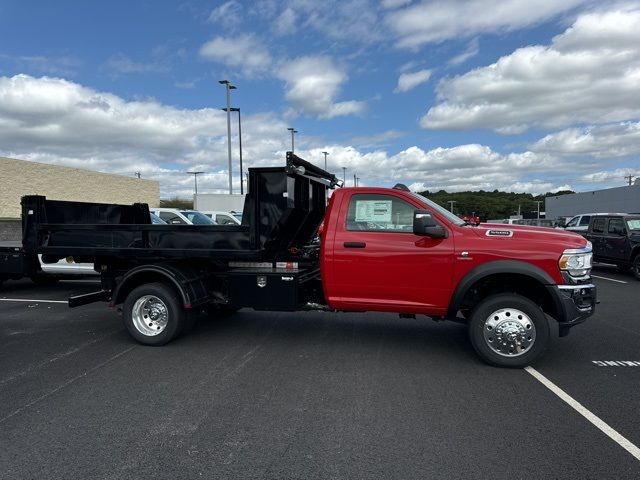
{"x":149,"y":315}
{"x":509,"y":332}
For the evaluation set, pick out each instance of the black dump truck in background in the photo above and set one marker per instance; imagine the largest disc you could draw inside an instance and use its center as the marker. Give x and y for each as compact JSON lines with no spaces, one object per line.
{"x":165,"y":271}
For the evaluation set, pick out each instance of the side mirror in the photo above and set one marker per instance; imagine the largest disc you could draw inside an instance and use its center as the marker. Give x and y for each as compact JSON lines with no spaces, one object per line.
{"x":424,"y":224}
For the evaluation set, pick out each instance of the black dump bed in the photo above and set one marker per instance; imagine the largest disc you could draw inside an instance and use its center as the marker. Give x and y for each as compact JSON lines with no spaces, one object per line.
{"x":283,"y":208}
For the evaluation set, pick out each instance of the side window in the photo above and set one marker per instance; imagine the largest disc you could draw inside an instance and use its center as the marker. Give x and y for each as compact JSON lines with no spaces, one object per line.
{"x":598,"y":225}
{"x":573,"y":222}
{"x":171,"y":218}
{"x":379,"y":213}
{"x":615,"y":226}
{"x":584,"y":221}
{"x":224,"y":220}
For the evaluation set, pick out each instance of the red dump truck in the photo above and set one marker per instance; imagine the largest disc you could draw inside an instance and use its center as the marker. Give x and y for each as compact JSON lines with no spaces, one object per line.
{"x":366,"y":250}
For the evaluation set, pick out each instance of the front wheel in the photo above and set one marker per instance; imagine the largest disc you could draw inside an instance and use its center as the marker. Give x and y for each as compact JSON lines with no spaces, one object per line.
{"x":509,"y":330}
{"x":153,"y":314}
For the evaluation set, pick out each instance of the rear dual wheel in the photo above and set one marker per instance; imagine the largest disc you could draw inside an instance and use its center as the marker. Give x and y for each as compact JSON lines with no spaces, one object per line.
{"x":508,"y":330}
{"x":153,"y":314}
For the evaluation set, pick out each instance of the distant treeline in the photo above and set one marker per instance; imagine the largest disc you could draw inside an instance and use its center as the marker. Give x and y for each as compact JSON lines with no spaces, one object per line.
{"x":491,"y":205}
{"x":176,"y":202}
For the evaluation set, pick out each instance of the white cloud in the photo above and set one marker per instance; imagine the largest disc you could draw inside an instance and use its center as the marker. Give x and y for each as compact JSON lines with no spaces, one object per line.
{"x":347,"y":20}
{"x":390,"y":4}
{"x":285,"y":24}
{"x":616,"y":175}
{"x":589,"y":74}
{"x":604,"y":141}
{"x":61,"y":122}
{"x":229,"y":15}
{"x":64,"y":65}
{"x":312,"y":85}
{"x":471,"y":51}
{"x":432,"y":22}
{"x":408,"y":81}
{"x":245,"y":53}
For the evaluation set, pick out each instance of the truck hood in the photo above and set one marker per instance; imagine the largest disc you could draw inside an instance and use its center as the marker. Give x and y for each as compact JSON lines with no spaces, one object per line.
{"x":544,"y":235}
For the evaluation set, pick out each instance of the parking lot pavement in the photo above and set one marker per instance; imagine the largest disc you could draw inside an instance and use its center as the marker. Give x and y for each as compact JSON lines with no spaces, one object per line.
{"x":306,"y":395}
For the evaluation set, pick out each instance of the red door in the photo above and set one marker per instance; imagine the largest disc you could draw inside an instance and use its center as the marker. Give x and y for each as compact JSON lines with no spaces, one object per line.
{"x":379,"y":264}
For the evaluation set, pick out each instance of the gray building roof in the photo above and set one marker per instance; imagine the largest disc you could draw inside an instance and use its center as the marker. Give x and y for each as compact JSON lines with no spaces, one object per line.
{"x":619,"y":199}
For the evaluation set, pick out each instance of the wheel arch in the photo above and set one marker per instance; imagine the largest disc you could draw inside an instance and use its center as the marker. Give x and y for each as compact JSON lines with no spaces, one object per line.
{"x":504,"y":276}
{"x":185,"y":281}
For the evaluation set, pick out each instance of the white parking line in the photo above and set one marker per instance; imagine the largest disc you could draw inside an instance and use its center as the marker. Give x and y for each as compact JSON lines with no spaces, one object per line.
{"x":31,"y":300}
{"x":610,"y":279}
{"x":578,"y":407}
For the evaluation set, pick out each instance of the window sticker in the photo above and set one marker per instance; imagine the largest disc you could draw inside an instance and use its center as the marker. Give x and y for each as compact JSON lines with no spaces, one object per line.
{"x":373,"y":210}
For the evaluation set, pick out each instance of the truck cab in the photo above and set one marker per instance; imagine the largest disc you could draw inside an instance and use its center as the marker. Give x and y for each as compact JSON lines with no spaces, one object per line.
{"x":395,"y":251}
{"x":616,"y":240}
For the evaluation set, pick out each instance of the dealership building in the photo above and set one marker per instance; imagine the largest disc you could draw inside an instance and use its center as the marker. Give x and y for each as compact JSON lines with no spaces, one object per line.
{"x":618,"y":199}
{"x":19,"y":178}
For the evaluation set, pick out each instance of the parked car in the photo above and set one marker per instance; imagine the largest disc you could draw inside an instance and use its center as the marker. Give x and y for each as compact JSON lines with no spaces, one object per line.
{"x":223,"y":218}
{"x":580,"y":223}
{"x":156,"y":220}
{"x":68,"y":268}
{"x":174,"y":216}
{"x":616,"y":239}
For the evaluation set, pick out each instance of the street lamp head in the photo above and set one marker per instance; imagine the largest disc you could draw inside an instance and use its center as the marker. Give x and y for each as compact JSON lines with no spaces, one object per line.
{"x":194,"y":173}
{"x":232,"y":87}
{"x":224,"y":82}
{"x":231,"y":109}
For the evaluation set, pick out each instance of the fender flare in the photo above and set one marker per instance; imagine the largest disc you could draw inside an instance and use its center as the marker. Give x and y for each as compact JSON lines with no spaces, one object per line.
{"x":187,"y":282}
{"x":493,"y":268}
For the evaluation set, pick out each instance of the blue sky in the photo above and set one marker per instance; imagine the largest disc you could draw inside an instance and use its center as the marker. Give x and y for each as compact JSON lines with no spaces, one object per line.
{"x":517,"y":95}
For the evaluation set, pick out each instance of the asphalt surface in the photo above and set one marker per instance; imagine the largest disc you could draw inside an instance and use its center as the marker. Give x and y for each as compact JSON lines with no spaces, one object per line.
{"x":307,"y":395}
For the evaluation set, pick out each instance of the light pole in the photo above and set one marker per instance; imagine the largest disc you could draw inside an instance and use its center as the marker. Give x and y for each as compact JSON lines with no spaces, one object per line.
{"x":538,"y":202}
{"x":195,"y":179}
{"x":293,"y":132}
{"x":228,"y":88}
{"x":325,"y":159}
{"x":451,"y":202}
{"x":233,"y":109}
{"x":344,"y":175}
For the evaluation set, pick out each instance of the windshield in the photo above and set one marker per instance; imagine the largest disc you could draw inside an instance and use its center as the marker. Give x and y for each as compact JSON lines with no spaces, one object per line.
{"x":198,"y":218}
{"x":456,"y":220}
{"x":633,"y":223}
{"x":156,"y":220}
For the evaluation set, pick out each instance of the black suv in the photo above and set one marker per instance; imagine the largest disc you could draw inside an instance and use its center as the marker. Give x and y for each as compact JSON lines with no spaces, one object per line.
{"x":616,"y":239}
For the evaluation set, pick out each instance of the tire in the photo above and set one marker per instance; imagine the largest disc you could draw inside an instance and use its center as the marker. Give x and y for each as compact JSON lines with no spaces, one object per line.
{"x":511,"y":318}
{"x":44,"y":280}
{"x":153,"y":314}
{"x":635,"y":267}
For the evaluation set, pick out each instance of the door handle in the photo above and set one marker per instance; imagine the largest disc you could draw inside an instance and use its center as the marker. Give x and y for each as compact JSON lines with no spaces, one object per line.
{"x":354,"y":244}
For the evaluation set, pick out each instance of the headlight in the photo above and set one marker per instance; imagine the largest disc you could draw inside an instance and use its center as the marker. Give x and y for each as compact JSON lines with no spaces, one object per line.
{"x":577,"y":262}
